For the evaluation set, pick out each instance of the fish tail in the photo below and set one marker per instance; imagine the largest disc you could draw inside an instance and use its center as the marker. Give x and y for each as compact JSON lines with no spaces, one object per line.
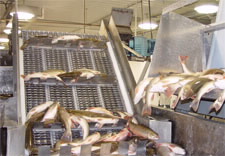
{"x":216,"y":105}
{"x":67,"y":136}
{"x":183,"y":59}
{"x":146,"y":110}
{"x":195,"y":104}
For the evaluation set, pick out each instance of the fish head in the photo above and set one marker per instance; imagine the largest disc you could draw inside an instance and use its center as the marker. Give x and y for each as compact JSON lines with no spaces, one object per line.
{"x":153,"y":136}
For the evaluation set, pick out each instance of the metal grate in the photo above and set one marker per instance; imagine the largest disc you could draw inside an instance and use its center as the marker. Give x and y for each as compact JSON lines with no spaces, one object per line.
{"x":63,"y":95}
{"x":33,"y":61}
{"x":87,"y":97}
{"x":56,"y":59}
{"x":81,"y":59}
{"x":112,"y":98}
{"x":35,"y":95}
{"x":103,"y":62}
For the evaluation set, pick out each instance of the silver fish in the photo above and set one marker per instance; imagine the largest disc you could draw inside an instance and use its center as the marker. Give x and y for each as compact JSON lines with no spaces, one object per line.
{"x":65,"y":38}
{"x":183,"y":60}
{"x":39,"y":108}
{"x":51,"y":113}
{"x":140,"y":88}
{"x":66,"y":119}
{"x":173,"y":147}
{"x":217,"y":105}
{"x":83,"y":123}
{"x":122,"y":135}
{"x":99,"y":110}
{"x":91,"y":139}
{"x":207,"y":87}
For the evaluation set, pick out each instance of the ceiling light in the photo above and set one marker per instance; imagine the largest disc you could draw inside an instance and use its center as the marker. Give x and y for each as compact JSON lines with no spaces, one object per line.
{"x":9,"y":31}
{"x":2,"y":47}
{"x":23,"y":15}
{"x":4,"y":40}
{"x":148,"y":26}
{"x":206,"y":9}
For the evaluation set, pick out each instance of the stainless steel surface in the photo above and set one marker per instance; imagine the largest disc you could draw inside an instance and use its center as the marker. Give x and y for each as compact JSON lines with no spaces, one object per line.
{"x":143,"y":73}
{"x":177,"y":5}
{"x":122,"y":16}
{"x":65,"y":151}
{"x":216,"y":57}
{"x":198,"y":136}
{"x":44,"y":150}
{"x":6,"y":80}
{"x":15,"y":141}
{"x":123,"y":148}
{"x":85,"y":150}
{"x":214,"y":27}
{"x":177,"y":35}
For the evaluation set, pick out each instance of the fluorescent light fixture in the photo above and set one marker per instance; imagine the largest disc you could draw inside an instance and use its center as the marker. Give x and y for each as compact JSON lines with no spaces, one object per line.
{"x":4,"y":40}
{"x":23,"y":15}
{"x":206,"y":9}
{"x":2,"y":47}
{"x":148,"y":26}
{"x":9,"y":31}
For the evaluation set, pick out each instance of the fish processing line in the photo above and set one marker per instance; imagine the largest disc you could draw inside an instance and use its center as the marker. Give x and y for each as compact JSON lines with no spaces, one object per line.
{"x":112,"y":92}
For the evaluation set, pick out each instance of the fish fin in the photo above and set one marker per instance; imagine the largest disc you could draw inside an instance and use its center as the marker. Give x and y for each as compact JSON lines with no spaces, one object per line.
{"x":146,"y":110}
{"x":183,"y":59}
{"x":195,"y":104}
{"x":67,"y":136}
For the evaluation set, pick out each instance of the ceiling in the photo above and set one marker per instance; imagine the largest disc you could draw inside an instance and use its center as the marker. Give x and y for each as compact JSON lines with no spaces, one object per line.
{"x":68,"y":15}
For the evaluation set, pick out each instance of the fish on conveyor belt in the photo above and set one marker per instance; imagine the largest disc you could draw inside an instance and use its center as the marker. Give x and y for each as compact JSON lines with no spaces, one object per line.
{"x":142,"y":131}
{"x":51,"y":114}
{"x":83,"y":123}
{"x":173,"y":147}
{"x":207,"y":87}
{"x":91,"y":139}
{"x":190,"y":89}
{"x":29,"y":125}
{"x":88,"y":73}
{"x":99,"y":110}
{"x":66,"y":119}
{"x":65,"y":38}
{"x":172,"y":88}
{"x":213,"y":71}
{"x":39,"y":108}
{"x":217,"y":105}
{"x":99,"y":118}
{"x":121,"y":136}
{"x":161,"y":85}
{"x":51,"y":73}
{"x":140,"y":88}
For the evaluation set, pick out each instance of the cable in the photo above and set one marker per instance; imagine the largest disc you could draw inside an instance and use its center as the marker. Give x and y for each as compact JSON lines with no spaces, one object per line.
{"x":150,"y":16}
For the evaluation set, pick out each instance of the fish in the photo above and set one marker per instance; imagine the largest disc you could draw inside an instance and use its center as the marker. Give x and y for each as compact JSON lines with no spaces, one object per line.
{"x":88,"y":73}
{"x":164,"y":151}
{"x":161,"y":85}
{"x":183,"y":60}
{"x":99,"y":110}
{"x":217,"y":105}
{"x":121,"y":136}
{"x":99,"y":118}
{"x":189,"y":90}
{"x":142,"y":131}
{"x":66,"y":119}
{"x":83,"y":123}
{"x":90,"y":43}
{"x":51,"y":114}
{"x":173,"y":147}
{"x":39,"y":108}
{"x":52,"y":73}
{"x":140,"y":88}
{"x":59,"y":144}
{"x":29,"y":125}
{"x":213,"y":71}
{"x":207,"y":87}
{"x":172,"y":88}
{"x":65,"y":38}
{"x":126,"y":116}
{"x":91,"y":139}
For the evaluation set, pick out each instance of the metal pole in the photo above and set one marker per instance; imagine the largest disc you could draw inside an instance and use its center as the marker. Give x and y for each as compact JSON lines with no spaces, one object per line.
{"x":84,"y":15}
